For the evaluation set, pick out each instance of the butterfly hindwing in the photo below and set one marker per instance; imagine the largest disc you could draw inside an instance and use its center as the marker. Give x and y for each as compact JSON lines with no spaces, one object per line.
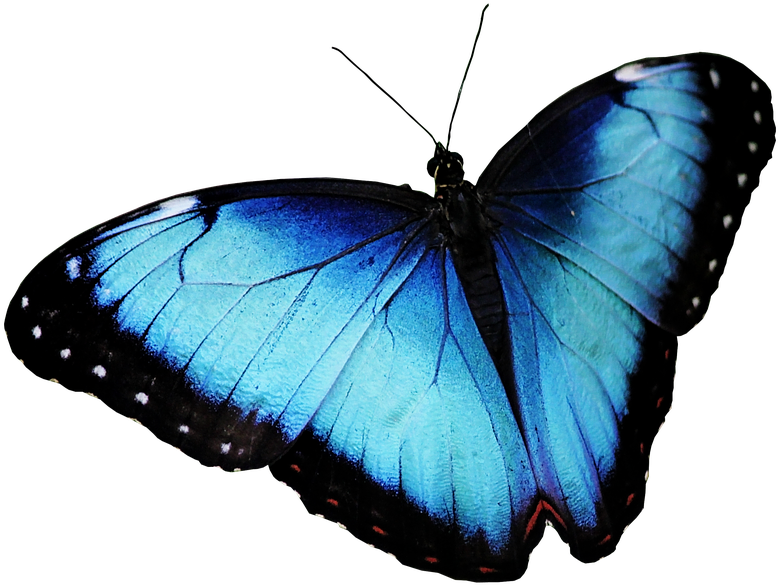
{"x":416,"y":450}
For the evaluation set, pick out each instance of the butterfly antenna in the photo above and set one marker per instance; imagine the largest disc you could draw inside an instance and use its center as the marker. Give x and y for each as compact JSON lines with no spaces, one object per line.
{"x":385,"y":93}
{"x":473,"y":51}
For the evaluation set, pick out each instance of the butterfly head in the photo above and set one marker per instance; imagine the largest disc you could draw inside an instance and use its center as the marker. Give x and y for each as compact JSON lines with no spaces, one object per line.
{"x":446,"y":168}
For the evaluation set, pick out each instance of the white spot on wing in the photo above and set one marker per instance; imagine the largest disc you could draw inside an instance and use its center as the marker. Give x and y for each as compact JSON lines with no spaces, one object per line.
{"x":637,"y":71}
{"x":36,"y":332}
{"x":65,"y":353}
{"x":752,"y":147}
{"x":25,"y":302}
{"x":758,"y":117}
{"x":142,"y":398}
{"x":727,"y":221}
{"x":74,"y":267}
{"x":755,"y":86}
{"x":175,"y":206}
{"x":712,"y":265}
{"x":696,"y":301}
{"x":99,"y":371}
{"x":714,"y":78}
{"x":742,"y":179}
{"x":184,"y":429}
{"x":225,"y":448}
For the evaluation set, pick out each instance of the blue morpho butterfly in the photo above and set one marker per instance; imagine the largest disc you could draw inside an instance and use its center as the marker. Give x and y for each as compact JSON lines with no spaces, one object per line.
{"x":441,"y":375}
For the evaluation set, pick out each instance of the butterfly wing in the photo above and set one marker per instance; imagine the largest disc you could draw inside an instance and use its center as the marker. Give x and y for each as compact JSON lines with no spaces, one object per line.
{"x":318,"y":326}
{"x":415,"y":449}
{"x":195,"y":315}
{"x":614,"y":212}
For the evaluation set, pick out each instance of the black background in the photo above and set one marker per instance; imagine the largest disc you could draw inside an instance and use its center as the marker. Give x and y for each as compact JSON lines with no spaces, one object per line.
{"x":106,"y":108}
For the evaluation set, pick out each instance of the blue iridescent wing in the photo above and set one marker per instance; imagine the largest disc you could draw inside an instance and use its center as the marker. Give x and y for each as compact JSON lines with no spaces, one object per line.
{"x":416,"y":450}
{"x":614,"y":211}
{"x":195,"y":315}
{"x":315,"y":325}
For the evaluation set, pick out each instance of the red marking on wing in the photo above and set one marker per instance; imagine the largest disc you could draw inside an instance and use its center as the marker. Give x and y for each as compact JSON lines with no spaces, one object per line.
{"x":332,"y":502}
{"x":605,"y":540}
{"x":295,"y":468}
{"x":641,"y":446}
{"x":378,"y":530}
{"x":630,"y":499}
{"x":659,"y":401}
{"x":486,"y":570}
{"x":431,"y":559}
{"x":667,"y":353}
{"x":542,"y":506}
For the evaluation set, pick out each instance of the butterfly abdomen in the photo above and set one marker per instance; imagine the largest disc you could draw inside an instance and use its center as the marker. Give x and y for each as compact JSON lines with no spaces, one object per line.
{"x":478,"y":274}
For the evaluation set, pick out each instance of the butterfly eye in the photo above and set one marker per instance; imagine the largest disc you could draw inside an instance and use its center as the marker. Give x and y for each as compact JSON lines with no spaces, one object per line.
{"x":431,"y":166}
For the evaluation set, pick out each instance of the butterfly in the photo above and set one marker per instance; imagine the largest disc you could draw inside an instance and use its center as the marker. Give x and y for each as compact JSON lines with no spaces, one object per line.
{"x":74,"y":268}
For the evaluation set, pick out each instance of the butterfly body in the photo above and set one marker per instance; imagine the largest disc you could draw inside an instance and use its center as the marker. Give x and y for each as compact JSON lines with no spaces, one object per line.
{"x":442,"y":375}
{"x":467,"y":231}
